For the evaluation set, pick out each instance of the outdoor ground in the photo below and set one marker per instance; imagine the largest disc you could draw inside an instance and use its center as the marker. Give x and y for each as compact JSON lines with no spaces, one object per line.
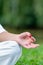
{"x":31,"y":56}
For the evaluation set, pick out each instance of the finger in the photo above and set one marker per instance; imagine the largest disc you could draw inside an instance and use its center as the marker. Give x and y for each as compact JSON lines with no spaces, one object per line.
{"x":33,"y":39}
{"x":31,"y":46}
{"x":27,"y":46}
{"x":34,"y":45}
{"x":30,"y":40}
{"x":27,"y":34}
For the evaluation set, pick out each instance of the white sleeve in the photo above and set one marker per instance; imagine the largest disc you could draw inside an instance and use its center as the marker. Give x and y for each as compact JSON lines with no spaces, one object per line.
{"x":1,"y":29}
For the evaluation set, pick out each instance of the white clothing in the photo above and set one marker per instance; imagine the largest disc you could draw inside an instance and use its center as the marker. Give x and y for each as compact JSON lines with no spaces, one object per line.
{"x":1,"y":29}
{"x":10,"y":51}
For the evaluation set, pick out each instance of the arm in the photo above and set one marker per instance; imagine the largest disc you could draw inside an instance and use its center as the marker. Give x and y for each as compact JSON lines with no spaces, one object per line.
{"x":5,"y":36}
{"x":24,"y":39}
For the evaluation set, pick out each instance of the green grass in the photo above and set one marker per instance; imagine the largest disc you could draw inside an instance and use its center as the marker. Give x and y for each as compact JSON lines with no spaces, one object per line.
{"x":32,"y":56}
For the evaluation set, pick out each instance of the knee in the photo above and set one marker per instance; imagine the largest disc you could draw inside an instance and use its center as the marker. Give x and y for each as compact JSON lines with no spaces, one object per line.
{"x":15,"y":48}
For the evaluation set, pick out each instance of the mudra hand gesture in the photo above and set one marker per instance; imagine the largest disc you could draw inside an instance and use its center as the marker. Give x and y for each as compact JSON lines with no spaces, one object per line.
{"x":26,"y":40}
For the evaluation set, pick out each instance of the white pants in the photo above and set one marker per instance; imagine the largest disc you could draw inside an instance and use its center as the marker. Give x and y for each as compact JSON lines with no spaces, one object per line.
{"x":10,"y":52}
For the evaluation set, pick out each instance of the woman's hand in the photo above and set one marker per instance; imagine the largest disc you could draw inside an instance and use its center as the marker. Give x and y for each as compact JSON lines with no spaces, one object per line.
{"x":26,"y":40}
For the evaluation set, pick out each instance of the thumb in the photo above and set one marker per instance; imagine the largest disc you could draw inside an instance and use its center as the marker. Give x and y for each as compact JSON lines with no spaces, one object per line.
{"x":25,"y":34}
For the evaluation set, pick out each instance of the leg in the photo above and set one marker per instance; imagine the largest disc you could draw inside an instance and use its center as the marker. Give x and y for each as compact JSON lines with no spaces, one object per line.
{"x":10,"y":52}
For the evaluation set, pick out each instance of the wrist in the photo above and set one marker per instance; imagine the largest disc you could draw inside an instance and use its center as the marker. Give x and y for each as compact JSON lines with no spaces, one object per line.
{"x":13,"y":37}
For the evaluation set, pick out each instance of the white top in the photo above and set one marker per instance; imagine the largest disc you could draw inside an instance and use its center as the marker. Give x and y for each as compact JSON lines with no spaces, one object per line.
{"x":1,"y":29}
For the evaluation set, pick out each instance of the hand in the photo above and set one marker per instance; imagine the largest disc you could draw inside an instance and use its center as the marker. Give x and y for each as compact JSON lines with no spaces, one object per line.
{"x":26,"y":40}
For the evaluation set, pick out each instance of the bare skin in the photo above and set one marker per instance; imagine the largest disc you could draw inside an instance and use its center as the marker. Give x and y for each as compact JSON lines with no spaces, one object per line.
{"x":25,"y":39}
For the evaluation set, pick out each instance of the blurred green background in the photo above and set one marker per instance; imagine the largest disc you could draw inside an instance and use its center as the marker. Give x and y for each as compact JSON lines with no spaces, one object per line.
{"x":21,"y":13}
{"x":18,"y":16}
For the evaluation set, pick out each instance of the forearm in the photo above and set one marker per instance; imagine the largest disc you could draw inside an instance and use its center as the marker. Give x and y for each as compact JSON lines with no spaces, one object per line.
{"x":5,"y":36}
